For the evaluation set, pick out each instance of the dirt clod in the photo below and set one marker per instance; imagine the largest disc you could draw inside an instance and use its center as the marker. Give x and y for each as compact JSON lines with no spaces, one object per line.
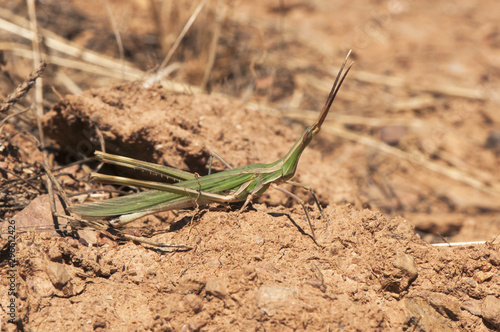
{"x":446,"y":305}
{"x":421,"y":316}
{"x":57,"y":274}
{"x":490,"y":310}
{"x":216,"y":287}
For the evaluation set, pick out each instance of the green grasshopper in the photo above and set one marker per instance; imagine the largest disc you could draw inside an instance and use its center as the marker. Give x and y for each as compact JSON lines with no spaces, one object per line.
{"x":234,"y":185}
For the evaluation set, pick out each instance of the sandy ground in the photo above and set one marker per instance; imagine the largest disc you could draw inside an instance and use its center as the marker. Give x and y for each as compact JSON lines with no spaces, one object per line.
{"x":409,"y":156}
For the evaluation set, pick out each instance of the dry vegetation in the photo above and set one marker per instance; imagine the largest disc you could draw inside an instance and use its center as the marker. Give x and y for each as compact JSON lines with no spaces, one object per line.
{"x":414,"y":134}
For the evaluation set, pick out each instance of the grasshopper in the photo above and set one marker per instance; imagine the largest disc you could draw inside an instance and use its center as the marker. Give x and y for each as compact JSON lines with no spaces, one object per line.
{"x":233,"y":185}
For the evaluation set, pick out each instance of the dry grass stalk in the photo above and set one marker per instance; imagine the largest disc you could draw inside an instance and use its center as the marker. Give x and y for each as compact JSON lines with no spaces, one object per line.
{"x":459,"y":244}
{"x":186,"y":28}
{"x":220,"y":15}
{"x":449,"y":172}
{"x":118,"y":37}
{"x":86,"y":60}
{"x":23,"y":88}
{"x":448,"y":90}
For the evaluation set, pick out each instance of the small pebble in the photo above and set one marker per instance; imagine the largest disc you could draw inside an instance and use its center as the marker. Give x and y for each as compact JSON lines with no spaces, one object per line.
{"x":57,"y":274}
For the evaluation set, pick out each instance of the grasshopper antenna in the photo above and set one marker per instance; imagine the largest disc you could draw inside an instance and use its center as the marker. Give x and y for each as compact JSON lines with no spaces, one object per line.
{"x":333,"y":92}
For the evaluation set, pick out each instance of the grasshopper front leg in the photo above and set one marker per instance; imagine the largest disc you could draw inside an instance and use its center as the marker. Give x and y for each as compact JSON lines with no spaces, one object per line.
{"x":215,"y":155}
{"x":293,"y":183}
{"x":301,"y":202}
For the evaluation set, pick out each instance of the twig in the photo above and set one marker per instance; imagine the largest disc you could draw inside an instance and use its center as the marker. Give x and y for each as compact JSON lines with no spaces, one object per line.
{"x":157,"y":16}
{"x":188,"y":25}
{"x":452,"y":173}
{"x":37,"y":62}
{"x":96,"y":225}
{"x":23,"y":88}
{"x":220,"y":15}
{"x":57,"y":43}
{"x":458,"y":244}
{"x":128,"y":73}
{"x":154,"y":243}
{"x":27,"y":181}
{"x":65,"y":80}
{"x":449,"y":90}
{"x":117,"y":33}
{"x":160,"y":75}
{"x":93,"y":68}
{"x":9,"y":117}
{"x":51,"y":180}
{"x":398,"y":82}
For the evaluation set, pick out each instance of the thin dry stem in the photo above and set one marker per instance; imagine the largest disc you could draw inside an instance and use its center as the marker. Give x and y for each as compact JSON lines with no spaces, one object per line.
{"x":50,"y":180}
{"x":449,"y":90}
{"x":160,"y":31}
{"x":459,"y":244}
{"x":18,"y":26}
{"x":127,"y":74}
{"x":23,"y":88}
{"x":219,"y":18}
{"x":449,"y":172}
{"x":67,"y":82}
{"x":116,"y":32}
{"x":88,"y":61}
{"x":9,"y":117}
{"x":37,"y":63}
{"x":188,"y":25}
